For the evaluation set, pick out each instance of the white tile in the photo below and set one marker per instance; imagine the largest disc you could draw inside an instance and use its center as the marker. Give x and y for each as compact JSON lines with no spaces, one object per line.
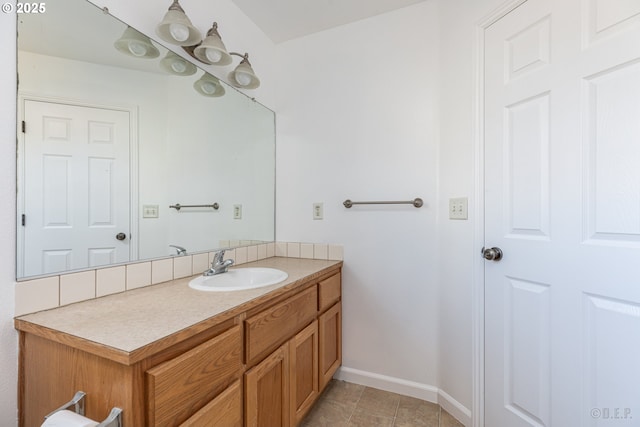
{"x":110,"y":280}
{"x":224,"y":243}
{"x":161,"y":270}
{"x":271,"y":250}
{"x":293,"y":250}
{"x":281,"y":249}
{"x":138,"y":275}
{"x":200,"y":263}
{"x":76,"y":287}
{"x":252,"y":253}
{"x":306,"y":250}
{"x":336,"y":253}
{"x":262,"y":251}
{"x":234,"y":243}
{"x":320,"y":251}
{"x":36,"y":295}
{"x":241,"y":255}
{"x":182,"y":266}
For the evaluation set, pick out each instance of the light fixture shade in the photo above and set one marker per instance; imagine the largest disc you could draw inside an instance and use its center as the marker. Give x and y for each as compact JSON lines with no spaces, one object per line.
{"x":177,"y":65}
{"x":212,"y":50}
{"x":208,"y":85}
{"x":176,"y":28}
{"x":243,"y":76}
{"x":135,"y":44}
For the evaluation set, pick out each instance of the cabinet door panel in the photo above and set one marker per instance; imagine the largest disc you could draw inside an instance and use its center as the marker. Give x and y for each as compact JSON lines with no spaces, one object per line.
{"x":330,"y":336}
{"x":303,"y":365}
{"x":223,"y":411}
{"x":179,"y":387}
{"x":267,"y":391}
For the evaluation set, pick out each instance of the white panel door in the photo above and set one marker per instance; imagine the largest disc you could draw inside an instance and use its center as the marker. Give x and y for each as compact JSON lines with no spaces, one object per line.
{"x":76,"y":199}
{"x":562,"y":202}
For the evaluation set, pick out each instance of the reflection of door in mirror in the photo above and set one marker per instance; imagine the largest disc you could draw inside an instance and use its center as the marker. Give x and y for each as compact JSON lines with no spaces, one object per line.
{"x":76,"y":204}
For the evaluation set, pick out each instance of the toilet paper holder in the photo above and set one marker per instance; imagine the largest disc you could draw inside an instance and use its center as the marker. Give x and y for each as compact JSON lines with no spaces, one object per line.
{"x":77,"y":403}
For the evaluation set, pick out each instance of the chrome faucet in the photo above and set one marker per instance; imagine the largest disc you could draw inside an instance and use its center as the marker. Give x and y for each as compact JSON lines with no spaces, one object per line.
{"x":181,"y":251}
{"x":219,"y":265}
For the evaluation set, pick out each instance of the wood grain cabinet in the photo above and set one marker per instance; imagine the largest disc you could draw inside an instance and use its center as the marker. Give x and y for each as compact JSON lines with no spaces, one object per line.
{"x":264,"y":366}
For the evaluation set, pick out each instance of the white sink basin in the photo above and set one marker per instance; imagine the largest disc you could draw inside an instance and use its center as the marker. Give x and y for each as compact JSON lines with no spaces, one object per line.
{"x":239,"y":279}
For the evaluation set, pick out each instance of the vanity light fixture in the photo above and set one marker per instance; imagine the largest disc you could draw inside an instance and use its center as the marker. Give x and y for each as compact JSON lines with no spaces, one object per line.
{"x":244,"y":76}
{"x":135,"y":44}
{"x":177,"y":65}
{"x":208,"y":85}
{"x":212,"y":50}
{"x":176,"y":28}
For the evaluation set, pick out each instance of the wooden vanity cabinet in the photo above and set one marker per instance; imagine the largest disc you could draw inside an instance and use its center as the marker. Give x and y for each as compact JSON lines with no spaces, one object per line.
{"x":262,"y":367}
{"x":282,"y":388}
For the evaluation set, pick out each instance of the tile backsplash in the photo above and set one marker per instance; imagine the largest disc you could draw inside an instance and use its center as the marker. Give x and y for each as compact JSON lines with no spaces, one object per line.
{"x":55,"y":291}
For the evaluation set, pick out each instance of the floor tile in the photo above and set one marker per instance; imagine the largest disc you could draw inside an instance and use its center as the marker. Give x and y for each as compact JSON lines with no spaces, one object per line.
{"x":344,"y":404}
{"x":446,"y":420}
{"x":378,"y":402}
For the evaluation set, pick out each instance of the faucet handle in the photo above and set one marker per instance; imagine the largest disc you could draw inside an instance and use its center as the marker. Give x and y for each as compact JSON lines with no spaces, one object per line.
{"x":218,"y":258}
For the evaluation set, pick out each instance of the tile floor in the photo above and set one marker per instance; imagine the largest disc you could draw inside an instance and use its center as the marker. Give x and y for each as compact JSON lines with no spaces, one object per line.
{"x":344,"y":404}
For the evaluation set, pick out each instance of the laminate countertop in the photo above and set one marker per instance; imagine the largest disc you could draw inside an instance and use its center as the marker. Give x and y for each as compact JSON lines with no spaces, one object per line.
{"x":129,"y":325}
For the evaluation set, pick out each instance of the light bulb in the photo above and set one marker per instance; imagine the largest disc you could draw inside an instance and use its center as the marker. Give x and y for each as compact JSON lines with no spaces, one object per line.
{"x":208,"y":88}
{"x":178,"y":66}
{"x":179,"y":32}
{"x":243,"y":79}
{"x":213,"y":55}
{"x":137,"y":48}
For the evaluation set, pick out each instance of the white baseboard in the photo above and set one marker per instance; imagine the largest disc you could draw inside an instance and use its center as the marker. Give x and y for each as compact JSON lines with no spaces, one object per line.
{"x":406,"y":388}
{"x":455,"y":408}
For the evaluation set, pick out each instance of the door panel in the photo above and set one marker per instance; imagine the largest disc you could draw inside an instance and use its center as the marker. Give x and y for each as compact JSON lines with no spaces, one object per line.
{"x":562,"y":201}
{"x":76,"y":187}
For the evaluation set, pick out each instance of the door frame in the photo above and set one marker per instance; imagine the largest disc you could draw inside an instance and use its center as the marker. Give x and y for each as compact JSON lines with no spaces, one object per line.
{"x":20,"y":168}
{"x":478,"y":286}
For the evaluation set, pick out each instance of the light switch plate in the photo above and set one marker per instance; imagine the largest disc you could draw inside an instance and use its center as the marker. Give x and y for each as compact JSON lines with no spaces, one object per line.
{"x":237,"y":211}
{"x":458,"y":208}
{"x":318,"y":211}
{"x":150,"y":211}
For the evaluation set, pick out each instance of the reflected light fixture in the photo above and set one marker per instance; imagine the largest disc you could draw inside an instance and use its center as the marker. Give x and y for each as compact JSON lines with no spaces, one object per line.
{"x":212,"y":50}
{"x":136,"y":44}
{"x":244,"y":76}
{"x":176,"y":28}
{"x":208,"y":85}
{"x":177,"y":65}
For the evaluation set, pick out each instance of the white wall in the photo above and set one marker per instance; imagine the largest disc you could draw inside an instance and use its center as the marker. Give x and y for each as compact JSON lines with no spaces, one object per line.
{"x":357,"y":114}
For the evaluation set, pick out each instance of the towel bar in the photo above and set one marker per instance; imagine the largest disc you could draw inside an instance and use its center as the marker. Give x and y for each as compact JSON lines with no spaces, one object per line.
{"x":417,"y":202}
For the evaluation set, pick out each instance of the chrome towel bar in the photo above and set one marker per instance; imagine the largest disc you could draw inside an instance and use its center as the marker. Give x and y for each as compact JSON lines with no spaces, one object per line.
{"x":417,"y":202}
{"x":178,"y":206}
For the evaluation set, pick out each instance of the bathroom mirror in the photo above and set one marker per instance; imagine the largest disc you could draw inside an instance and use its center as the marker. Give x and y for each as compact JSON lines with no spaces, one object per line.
{"x":108,"y":141}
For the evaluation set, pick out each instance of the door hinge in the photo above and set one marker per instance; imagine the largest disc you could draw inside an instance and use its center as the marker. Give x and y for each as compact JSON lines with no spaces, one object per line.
{"x":24,"y":219}
{"x":24,"y":127}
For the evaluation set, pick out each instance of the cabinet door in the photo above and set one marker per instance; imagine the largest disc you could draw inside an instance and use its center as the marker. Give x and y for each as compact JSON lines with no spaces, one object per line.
{"x":330,"y":337}
{"x":303,"y":364}
{"x":178,"y":388}
{"x":267,"y":391}
{"x":223,"y":411}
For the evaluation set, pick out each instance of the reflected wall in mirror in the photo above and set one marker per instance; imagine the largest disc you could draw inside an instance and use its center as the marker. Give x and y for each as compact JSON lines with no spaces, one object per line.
{"x":107,"y":141}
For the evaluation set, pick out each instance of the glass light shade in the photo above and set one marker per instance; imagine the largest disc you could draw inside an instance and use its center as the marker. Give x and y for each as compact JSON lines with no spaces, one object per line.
{"x":135,"y":44}
{"x":177,"y":65}
{"x":244,"y":77}
{"x":212,"y":50}
{"x":207,"y":85}
{"x":176,"y":28}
